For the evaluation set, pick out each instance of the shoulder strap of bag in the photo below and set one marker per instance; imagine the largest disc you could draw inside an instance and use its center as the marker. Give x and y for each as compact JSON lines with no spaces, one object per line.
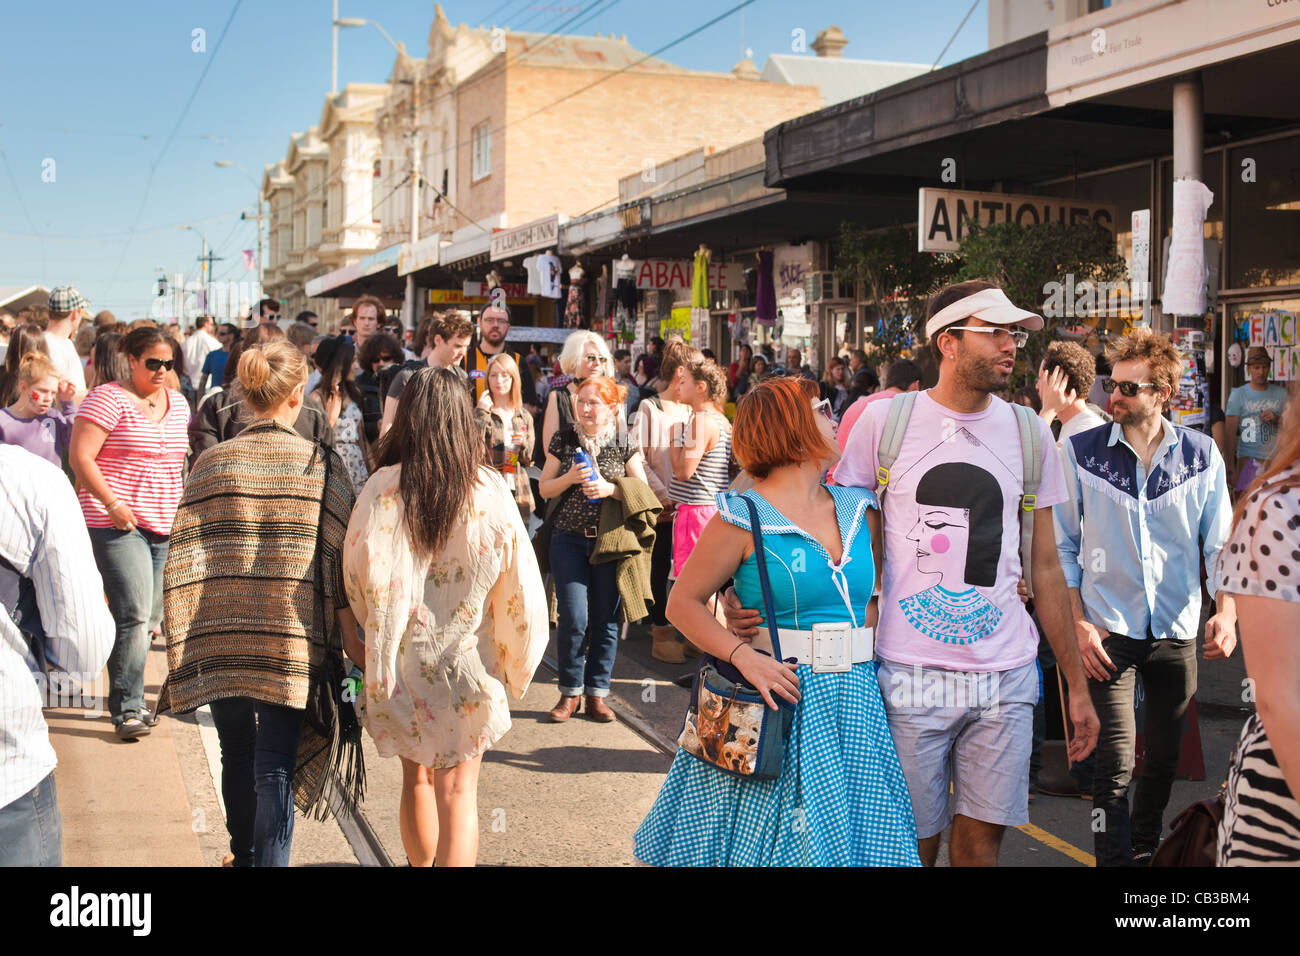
{"x":761,"y":558}
{"x":1031,"y":451}
{"x":891,"y":440}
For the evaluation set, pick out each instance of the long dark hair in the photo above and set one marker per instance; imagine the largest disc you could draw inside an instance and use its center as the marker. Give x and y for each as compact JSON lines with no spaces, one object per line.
{"x":110,"y":365}
{"x":23,"y":339}
{"x":334,"y":358}
{"x":440,"y":450}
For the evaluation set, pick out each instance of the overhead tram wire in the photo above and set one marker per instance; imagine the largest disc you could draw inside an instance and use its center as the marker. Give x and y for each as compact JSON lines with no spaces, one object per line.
{"x":144,"y":200}
{"x":954,"y":35}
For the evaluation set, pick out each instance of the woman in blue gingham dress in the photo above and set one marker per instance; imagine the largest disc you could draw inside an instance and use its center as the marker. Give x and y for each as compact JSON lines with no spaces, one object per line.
{"x":841,"y":798}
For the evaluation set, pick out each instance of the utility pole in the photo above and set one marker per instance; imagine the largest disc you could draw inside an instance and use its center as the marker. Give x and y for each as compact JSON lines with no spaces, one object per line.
{"x":207,"y":259}
{"x":334,"y":57}
{"x":415,"y":195}
{"x":258,"y":219}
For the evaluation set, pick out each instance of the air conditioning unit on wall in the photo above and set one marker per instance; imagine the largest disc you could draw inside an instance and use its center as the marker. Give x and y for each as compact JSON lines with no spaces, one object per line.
{"x":824,"y":285}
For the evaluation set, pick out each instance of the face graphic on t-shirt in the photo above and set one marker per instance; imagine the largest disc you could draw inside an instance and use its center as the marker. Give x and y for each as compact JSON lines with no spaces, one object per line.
{"x":941,"y":536}
{"x":958,"y":538}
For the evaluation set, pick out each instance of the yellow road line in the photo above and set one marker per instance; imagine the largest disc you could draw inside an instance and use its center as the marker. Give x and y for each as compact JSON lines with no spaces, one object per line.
{"x":1056,"y":843}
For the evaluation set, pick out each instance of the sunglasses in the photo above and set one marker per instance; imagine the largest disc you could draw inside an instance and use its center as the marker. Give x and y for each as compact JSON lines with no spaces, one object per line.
{"x":824,"y":406}
{"x":154,"y":365}
{"x":596,"y":358}
{"x":1127,"y":389}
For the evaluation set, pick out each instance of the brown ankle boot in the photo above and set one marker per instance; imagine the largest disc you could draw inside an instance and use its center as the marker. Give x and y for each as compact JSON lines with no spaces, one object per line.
{"x":598,"y":710}
{"x":665,"y":646}
{"x":566,"y":708}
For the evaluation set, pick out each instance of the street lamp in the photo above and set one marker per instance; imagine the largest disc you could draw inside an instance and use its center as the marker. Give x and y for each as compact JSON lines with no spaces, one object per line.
{"x":409,"y":308}
{"x":226,"y":163}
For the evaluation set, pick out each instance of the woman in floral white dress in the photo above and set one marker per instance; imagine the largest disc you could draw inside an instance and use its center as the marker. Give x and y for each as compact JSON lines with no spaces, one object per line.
{"x":341,"y":396}
{"x":441,"y":574}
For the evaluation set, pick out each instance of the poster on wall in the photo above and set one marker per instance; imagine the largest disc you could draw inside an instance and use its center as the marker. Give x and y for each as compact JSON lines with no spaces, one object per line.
{"x":677,"y":323}
{"x":1189,"y":405}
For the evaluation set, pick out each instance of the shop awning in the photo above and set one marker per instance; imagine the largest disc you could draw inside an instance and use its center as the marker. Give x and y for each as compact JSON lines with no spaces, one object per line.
{"x":15,"y":298}
{"x":375,"y":274}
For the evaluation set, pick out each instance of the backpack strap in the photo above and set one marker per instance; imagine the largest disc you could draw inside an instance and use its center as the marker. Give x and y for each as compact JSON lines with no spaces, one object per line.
{"x":891,"y":440}
{"x":1031,"y":451}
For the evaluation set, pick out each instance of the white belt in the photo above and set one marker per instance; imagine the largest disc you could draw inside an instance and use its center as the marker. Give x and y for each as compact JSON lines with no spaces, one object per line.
{"x":826,"y":648}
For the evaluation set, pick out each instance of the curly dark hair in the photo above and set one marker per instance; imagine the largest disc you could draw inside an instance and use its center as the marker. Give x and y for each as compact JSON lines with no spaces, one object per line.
{"x":440,"y":449}
{"x":1077,"y":362}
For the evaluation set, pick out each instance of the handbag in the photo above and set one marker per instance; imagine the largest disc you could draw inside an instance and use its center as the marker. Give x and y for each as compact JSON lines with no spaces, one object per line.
{"x":1193,"y":836}
{"x":729,"y":726}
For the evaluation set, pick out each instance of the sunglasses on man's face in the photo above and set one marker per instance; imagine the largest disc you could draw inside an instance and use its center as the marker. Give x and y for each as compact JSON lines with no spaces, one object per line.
{"x":154,"y":365}
{"x":1127,"y":389}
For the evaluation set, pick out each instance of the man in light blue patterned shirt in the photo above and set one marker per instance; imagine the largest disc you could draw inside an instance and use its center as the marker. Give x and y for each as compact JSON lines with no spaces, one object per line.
{"x":1148,"y":501}
{"x":43,"y":539}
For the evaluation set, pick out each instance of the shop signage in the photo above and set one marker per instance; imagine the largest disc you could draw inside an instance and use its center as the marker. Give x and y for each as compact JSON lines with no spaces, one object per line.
{"x":460,"y":297}
{"x":1120,"y":48}
{"x":635,"y":216}
{"x":942,"y":214}
{"x":527,"y":238}
{"x":479,"y":289}
{"x":675,"y":275}
{"x":419,"y":255}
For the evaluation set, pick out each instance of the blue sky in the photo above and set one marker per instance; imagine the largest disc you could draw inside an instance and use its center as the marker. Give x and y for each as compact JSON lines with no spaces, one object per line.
{"x":121,"y":193}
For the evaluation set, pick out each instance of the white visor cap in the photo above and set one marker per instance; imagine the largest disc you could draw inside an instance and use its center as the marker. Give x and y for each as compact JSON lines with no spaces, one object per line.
{"x":991,"y":305}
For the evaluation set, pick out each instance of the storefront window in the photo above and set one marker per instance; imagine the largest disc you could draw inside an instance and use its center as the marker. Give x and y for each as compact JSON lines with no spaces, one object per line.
{"x":1273,"y":324}
{"x":1128,"y":189}
{"x":1264,"y":239}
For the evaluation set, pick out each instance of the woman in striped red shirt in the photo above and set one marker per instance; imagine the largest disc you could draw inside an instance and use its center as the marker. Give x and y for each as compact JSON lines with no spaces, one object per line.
{"x":128,"y":450}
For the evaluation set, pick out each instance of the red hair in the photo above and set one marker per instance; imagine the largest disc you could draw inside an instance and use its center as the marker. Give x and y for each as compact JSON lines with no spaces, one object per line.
{"x":775,"y":426}
{"x":610,"y":392}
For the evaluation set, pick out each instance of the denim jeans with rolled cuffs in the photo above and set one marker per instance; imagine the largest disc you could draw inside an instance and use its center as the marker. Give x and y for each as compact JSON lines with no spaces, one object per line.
{"x":259,"y":746}
{"x":131,"y":563}
{"x":588,"y":600}
{"x":1168,"y":670}
{"x":31,"y":828}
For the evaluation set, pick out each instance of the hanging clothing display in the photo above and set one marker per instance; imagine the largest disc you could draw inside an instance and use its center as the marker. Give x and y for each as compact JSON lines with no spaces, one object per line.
{"x":573,"y":306}
{"x":534,"y":280}
{"x":700,"y":300}
{"x":700,"y":280}
{"x":548,"y":276}
{"x":602,"y":294}
{"x":765,"y":301}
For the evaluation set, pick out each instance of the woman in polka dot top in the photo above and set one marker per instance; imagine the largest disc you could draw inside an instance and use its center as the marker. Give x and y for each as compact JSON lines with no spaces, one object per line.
{"x":1261,"y":565}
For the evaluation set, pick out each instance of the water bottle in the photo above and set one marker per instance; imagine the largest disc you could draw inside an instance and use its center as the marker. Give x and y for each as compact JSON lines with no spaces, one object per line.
{"x":584,"y":460}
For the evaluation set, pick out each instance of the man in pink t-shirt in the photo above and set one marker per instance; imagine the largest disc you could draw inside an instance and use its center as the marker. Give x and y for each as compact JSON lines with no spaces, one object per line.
{"x":956,"y":649}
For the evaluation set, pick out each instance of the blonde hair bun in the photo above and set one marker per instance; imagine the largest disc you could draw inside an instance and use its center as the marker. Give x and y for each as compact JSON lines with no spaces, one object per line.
{"x":268,"y":374}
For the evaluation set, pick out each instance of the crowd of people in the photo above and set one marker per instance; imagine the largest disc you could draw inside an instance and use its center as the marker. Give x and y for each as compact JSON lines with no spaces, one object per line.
{"x":406,"y":513}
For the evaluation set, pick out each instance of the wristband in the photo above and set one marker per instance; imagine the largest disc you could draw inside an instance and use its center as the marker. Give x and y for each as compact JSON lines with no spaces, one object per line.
{"x":116,"y":502}
{"x":733,"y":652}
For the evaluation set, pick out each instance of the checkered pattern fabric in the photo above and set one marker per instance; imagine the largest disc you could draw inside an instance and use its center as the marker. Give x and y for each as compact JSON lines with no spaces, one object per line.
{"x":841,"y":799}
{"x":65,"y":298}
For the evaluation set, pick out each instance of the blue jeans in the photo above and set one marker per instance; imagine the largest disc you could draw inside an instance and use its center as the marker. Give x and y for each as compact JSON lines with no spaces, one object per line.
{"x":31,"y":828}
{"x":259,"y":746}
{"x":587,"y":598}
{"x":131,"y":563}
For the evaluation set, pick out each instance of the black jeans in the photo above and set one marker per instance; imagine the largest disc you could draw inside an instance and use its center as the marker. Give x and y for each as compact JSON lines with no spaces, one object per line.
{"x":661,"y":562}
{"x":1168,"y":670}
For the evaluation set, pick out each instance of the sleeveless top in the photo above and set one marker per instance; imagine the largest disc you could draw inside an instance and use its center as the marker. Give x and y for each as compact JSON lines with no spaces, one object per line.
{"x":807,"y":588}
{"x":712,"y":474}
{"x":564,"y":405}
